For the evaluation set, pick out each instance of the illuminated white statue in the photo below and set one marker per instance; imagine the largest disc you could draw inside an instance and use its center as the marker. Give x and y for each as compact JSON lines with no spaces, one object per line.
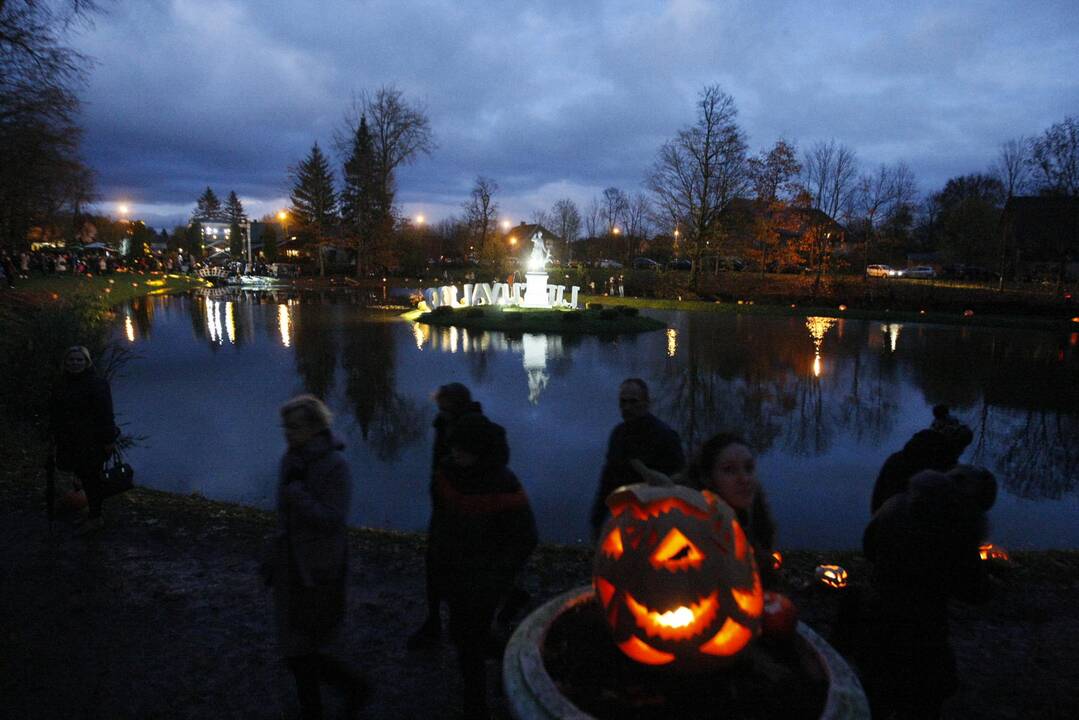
{"x":541,"y":255}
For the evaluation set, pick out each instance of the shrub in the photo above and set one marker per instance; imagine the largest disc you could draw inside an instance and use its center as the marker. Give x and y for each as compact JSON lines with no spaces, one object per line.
{"x":628,"y":311}
{"x":514,"y":317}
{"x":442,"y":311}
{"x":474,"y":312}
{"x":571,"y":316}
{"x":595,"y":306}
{"x":608,"y":314}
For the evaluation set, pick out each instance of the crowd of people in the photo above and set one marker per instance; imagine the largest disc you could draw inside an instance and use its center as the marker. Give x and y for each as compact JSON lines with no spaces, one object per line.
{"x":927,"y":519}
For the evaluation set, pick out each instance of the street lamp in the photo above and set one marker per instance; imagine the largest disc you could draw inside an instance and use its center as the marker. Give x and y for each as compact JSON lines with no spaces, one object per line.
{"x":513,"y":240}
{"x":420,"y":219}
{"x":505,"y":225}
{"x":282,"y":217}
{"x":616,"y":231}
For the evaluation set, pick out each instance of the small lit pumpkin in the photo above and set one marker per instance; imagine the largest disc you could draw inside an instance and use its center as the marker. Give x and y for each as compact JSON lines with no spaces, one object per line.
{"x":780,"y":616}
{"x":989,"y":551}
{"x":834,"y":576}
{"x":676,"y":577}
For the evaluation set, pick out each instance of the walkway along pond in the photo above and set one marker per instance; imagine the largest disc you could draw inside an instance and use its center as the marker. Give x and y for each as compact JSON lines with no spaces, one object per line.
{"x":824,"y":400}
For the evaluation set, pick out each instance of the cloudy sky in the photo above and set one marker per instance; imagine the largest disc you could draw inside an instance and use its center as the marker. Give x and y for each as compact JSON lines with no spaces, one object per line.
{"x":559,"y":98}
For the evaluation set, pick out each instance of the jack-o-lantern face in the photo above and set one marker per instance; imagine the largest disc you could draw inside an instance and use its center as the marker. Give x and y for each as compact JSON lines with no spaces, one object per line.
{"x":676,"y":577}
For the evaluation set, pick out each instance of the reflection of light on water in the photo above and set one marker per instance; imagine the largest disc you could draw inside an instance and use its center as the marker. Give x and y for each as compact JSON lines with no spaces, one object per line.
{"x":453,"y":338}
{"x":129,"y":328}
{"x":213,"y":323}
{"x":284,"y":324}
{"x":535,"y":362}
{"x":422,"y":334}
{"x":818,"y":327}
{"x":892,"y":330}
{"x":230,"y":322}
{"x":672,"y":342}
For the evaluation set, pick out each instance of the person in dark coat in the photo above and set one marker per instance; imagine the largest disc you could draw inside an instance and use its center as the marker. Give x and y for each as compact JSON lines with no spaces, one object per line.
{"x":923,"y":544}
{"x":937,"y":448}
{"x":309,"y":560}
{"x":640,"y":436}
{"x":485,"y":535}
{"x":83,"y":428}
{"x":726,"y":465}
{"x":454,"y":401}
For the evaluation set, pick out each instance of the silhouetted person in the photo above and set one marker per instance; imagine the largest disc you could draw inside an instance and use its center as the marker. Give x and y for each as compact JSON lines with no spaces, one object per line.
{"x":84,"y":431}
{"x":923,"y":544}
{"x":641,"y":436}
{"x":308,"y":569}
{"x":454,"y":401}
{"x":937,"y":448}
{"x":485,"y":535}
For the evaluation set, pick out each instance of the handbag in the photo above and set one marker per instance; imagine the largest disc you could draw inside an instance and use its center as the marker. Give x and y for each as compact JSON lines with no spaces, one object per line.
{"x":117,"y":476}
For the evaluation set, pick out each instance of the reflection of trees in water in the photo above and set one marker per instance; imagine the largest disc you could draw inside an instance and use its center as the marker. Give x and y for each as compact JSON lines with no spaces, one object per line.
{"x":315,"y":347}
{"x":388,"y":421}
{"x":1040,"y":459}
{"x":760,"y":382}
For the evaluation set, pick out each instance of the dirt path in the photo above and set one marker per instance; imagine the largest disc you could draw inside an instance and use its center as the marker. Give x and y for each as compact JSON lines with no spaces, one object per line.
{"x":162,"y":616}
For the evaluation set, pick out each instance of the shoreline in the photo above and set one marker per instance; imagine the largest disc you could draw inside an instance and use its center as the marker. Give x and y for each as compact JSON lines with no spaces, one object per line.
{"x":161,"y":614}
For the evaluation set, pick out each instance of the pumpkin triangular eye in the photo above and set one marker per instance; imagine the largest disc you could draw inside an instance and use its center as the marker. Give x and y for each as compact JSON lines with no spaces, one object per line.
{"x":675,"y":552}
{"x":612,"y":544}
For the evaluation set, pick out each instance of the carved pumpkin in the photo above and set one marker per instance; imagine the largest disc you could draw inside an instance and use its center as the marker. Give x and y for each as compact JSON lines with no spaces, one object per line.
{"x":676,"y":577}
{"x":834,"y":576}
{"x":989,"y":551}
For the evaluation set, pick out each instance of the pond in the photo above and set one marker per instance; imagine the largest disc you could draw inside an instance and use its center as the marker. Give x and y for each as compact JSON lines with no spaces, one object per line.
{"x":824,"y":401}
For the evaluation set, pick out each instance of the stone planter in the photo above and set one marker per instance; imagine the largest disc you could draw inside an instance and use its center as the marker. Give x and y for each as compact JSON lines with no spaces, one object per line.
{"x":532,"y":695}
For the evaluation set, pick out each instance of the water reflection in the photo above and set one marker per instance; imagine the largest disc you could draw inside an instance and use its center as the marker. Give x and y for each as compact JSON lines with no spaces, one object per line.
{"x":822,"y":399}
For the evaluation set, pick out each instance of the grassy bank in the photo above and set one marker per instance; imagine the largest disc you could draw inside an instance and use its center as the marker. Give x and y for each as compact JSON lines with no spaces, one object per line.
{"x":113,"y":288}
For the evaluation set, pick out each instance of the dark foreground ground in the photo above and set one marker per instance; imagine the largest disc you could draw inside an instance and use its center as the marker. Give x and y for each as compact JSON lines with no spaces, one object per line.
{"x":162,"y":616}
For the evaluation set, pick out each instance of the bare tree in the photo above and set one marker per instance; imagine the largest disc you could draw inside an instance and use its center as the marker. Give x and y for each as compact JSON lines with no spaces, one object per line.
{"x":541,"y":217}
{"x":874,"y":192}
{"x":481,"y":210}
{"x":636,"y":216}
{"x":592,"y":218}
{"x":698,"y":172}
{"x":567,"y":223}
{"x":829,"y":175}
{"x":1013,"y":165}
{"x":1056,"y":158}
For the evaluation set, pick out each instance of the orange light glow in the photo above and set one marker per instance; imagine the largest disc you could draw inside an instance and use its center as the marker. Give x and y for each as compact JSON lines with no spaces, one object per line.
{"x":731,"y":638}
{"x":842,"y":308}
{"x":777,"y":560}
{"x":680,"y":623}
{"x":989,"y":551}
{"x":605,"y":591}
{"x":661,"y":507}
{"x":751,"y":601}
{"x":642,"y":652}
{"x":676,"y":553}
{"x":740,"y":543}
{"x":612,"y":544}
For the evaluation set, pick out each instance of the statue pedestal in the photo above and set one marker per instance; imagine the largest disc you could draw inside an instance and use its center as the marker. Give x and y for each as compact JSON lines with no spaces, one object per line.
{"x":536,"y":290}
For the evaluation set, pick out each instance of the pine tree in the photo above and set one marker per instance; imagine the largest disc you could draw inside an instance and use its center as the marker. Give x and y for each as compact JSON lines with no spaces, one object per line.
{"x":236,"y":240}
{"x":269,"y":242}
{"x":365,"y":207}
{"x":208,"y":207}
{"x":314,"y":200}
{"x":234,"y":210}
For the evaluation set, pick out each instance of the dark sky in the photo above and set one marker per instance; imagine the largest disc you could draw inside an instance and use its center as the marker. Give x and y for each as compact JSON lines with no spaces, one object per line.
{"x":560,"y":99}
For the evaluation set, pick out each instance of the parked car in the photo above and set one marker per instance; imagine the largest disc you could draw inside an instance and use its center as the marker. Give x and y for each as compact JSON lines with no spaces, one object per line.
{"x":643,"y":263}
{"x":680,"y":264}
{"x":882,"y":271}
{"x":923,"y":272}
{"x":606,"y":263}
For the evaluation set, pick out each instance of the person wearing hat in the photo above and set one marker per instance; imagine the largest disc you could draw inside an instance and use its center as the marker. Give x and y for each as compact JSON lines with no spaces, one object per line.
{"x":936,"y":448}
{"x":454,"y":401}
{"x":83,"y":428}
{"x":485,"y":534}
{"x":923,"y":544}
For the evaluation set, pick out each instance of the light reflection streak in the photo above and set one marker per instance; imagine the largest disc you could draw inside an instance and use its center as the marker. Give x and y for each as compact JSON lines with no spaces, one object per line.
{"x":213,"y":324}
{"x":129,"y":328}
{"x":230,"y":322}
{"x":284,"y":324}
{"x":892,"y":330}
{"x":818,"y":327}
{"x":672,"y":342}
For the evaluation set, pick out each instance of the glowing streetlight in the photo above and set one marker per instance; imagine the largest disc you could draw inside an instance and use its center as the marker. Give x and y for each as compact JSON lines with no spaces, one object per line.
{"x":505,"y":225}
{"x":513,"y":240}
{"x":616,"y":231}
{"x":420,"y":219}
{"x":123,"y":209}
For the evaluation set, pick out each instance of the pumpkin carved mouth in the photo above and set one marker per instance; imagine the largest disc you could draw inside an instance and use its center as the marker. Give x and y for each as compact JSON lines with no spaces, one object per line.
{"x":680,"y":623}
